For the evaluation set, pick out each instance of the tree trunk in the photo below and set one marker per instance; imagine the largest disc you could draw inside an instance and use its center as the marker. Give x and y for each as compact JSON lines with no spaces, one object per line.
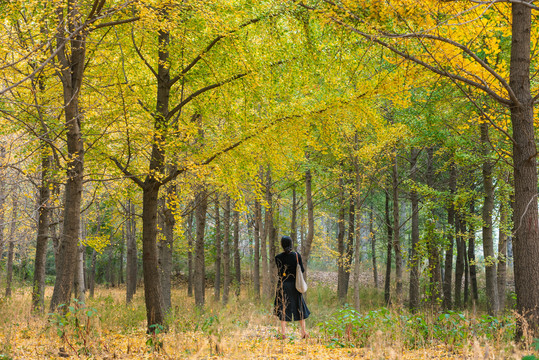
{"x":432,"y":248}
{"x":217,"y":282}
{"x":357,"y":249}
{"x":226,"y":253}
{"x":293,"y":218}
{"x":12,"y":228}
{"x":396,"y":232}
{"x":2,"y":200}
{"x":387,"y":285}
{"x":471,"y":256}
{"x":525,"y":243}
{"x":200,"y":271}
{"x":237,"y":266}
{"x":91,"y":282}
{"x":78,"y":285}
{"x":350,"y":243}
{"x":166,"y":245}
{"x":341,"y":261}
{"x":415,"y":261}
{"x":448,"y":269}
{"x":372,"y":237}
{"x":310,"y":219}
{"x":131,"y":261}
{"x":266,"y":238}
{"x":258,"y":226}
{"x":488,"y":243}
{"x":502,"y":257}
{"x":71,"y":74}
{"x":38,"y":288}
{"x":190,"y":255}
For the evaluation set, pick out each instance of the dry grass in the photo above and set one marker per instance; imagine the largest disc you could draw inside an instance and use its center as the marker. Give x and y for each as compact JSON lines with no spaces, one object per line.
{"x":242,"y":329}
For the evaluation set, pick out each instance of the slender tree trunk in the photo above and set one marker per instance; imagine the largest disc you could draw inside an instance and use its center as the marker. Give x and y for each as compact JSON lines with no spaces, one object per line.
{"x":71,"y":75}
{"x":459,"y":264}
{"x":432,"y":248}
{"x":268,"y":219}
{"x":91,"y":282}
{"x":226,"y":253}
{"x":488,"y":242}
{"x":11,"y":247}
{"x":471,"y":256}
{"x":415,"y":261}
{"x":166,"y":245}
{"x":387,"y":285}
{"x":200,"y":272}
{"x":217,"y":282}
{"x":357,"y":259}
{"x":350,"y":243}
{"x":131,"y":262}
{"x":2,"y":201}
{"x":447,"y":286}
{"x":38,"y":288}
{"x":502,"y":257}
{"x":293,"y":217}
{"x":372,"y":237}
{"x":79,"y":286}
{"x":396,"y":232}
{"x":190,"y":255}
{"x":310,"y":219}
{"x":466,"y":273}
{"x":237,"y":267}
{"x":258,"y":226}
{"x":341,"y":227}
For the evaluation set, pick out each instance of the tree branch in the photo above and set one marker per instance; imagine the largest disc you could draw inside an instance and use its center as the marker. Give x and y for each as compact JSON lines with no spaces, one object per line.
{"x":127,"y":172}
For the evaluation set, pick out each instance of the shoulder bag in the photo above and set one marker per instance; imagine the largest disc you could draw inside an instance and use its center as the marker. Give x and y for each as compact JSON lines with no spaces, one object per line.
{"x":301,"y":285}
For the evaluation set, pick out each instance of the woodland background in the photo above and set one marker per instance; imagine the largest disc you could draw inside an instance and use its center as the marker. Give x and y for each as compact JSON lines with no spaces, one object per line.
{"x":154,"y":152}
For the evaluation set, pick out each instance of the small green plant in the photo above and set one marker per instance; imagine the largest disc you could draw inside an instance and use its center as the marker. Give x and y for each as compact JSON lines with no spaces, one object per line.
{"x":73,"y":324}
{"x":154,"y":342}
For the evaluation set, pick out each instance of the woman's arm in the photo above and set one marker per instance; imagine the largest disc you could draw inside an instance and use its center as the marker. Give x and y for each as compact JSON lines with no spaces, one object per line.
{"x":300,"y":263}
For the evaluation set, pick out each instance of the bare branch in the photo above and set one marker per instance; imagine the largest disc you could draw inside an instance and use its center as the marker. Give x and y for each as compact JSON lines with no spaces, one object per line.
{"x":127,"y":172}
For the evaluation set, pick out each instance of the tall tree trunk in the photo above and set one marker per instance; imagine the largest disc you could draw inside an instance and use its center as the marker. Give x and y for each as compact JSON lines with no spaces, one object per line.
{"x":415,"y":261}
{"x":190,"y":255}
{"x":357,"y":249}
{"x":432,"y":248}
{"x":396,"y":231}
{"x":201,"y":202}
{"x":525,"y":243}
{"x":488,"y":242}
{"x":258,"y":226}
{"x":131,"y":261}
{"x":43,"y":222}
{"x":372,"y":237}
{"x":11,"y":240}
{"x":71,"y":74}
{"x":310,"y":219}
{"x":237,"y":267}
{"x":226,"y":253}
{"x":387,"y":285}
{"x":471,"y":256}
{"x":91,"y":281}
{"x":217,"y":282}
{"x":459,"y":264}
{"x":293,"y":218}
{"x":341,"y":227}
{"x":2,"y":200}
{"x":502,"y":257}
{"x":79,"y":286}
{"x":268,"y":224}
{"x":350,"y":243}
{"x":448,"y":269}
{"x":166,"y":245}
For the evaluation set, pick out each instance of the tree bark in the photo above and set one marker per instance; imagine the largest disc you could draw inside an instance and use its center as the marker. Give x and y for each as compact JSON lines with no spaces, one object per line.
{"x":201,"y":203}
{"x":131,"y":261}
{"x":258,"y":226}
{"x":293,"y":218}
{"x":91,"y":281}
{"x":217,"y":282}
{"x":350,"y":242}
{"x":387,"y":284}
{"x":372,"y":237}
{"x":71,"y":75}
{"x":502,"y":257}
{"x":266,"y":238}
{"x":237,"y":265}
{"x":190,"y":255}
{"x":310,"y":219}
{"x":432,"y":248}
{"x":415,"y":261}
{"x":396,"y":231}
{"x":448,"y":268}
{"x":226,"y":253}
{"x":525,"y":241}
{"x":488,"y":242}
{"x":38,"y":288}
{"x":341,"y":227}
{"x":166,"y":244}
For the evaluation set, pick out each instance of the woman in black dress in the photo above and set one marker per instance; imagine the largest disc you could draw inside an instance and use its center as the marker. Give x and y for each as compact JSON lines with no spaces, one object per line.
{"x":289,"y":302}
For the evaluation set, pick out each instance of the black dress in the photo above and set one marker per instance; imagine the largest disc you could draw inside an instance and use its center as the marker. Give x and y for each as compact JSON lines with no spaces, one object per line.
{"x":289,"y":303}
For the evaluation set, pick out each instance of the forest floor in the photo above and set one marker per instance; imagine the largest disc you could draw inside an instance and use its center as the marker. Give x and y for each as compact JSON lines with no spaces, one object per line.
{"x":107,"y":328}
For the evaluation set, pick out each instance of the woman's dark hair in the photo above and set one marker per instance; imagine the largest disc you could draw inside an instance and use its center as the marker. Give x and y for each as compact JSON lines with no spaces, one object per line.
{"x":286,"y":243}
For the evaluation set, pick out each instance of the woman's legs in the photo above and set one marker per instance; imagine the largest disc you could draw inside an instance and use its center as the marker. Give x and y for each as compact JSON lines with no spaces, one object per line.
{"x":283,"y":328}
{"x":302,"y":325}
